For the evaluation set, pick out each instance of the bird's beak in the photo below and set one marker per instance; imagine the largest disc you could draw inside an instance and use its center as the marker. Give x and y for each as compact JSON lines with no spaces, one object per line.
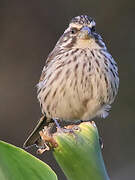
{"x":85,"y":33}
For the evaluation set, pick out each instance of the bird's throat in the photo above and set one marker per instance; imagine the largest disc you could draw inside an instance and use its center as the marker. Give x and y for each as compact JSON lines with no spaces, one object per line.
{"x":86,"y":43}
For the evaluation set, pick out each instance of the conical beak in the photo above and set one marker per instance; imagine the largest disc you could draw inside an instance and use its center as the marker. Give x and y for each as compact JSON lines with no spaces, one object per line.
{"x":85,"y":33}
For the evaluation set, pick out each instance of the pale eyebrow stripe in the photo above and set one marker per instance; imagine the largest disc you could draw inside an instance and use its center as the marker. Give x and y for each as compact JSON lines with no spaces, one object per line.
{"x":79,"y":26}
{"x":73,"y":25}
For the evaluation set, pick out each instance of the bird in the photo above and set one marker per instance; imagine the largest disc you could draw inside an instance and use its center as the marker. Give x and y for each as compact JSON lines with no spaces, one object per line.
{"x":79,"y":80}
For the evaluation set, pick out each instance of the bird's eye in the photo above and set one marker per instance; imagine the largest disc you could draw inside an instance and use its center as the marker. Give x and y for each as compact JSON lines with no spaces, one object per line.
{"x":74,"y":30}
{"x":93,"y":29}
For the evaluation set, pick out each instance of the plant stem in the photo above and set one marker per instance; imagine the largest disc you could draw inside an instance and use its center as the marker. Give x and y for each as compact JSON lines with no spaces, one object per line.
{"x":79,"y":155}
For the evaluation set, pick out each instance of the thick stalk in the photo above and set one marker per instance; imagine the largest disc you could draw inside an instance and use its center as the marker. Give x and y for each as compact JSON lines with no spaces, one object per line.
{"x":79,"y":155}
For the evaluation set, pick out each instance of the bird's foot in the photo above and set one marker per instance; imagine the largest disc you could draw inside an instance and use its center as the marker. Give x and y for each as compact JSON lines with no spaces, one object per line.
{"x":47,"y":139}
{"x":44,"y":148}
{"x":56,"y":122}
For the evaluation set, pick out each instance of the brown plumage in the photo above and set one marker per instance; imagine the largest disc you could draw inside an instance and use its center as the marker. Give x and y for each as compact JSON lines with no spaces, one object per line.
{"x":80,"y":78}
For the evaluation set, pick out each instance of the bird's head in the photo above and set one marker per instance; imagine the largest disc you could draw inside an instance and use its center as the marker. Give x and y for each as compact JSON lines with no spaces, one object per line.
{"x":81,"y":34}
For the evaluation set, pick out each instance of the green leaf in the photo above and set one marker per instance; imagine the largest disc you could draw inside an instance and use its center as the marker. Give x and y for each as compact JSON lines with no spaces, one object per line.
{"x":17,"y":164}
{"x":80,"y":155}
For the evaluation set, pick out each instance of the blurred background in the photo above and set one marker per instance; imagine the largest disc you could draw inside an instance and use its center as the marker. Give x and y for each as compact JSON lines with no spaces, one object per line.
{"x":28,"y":32}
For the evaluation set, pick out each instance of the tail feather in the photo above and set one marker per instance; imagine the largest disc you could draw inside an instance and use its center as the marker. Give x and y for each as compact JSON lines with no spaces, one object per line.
{"x":34,"y":137}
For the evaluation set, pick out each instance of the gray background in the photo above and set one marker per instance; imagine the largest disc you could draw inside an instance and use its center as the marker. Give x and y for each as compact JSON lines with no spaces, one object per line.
{"x":28,"y":32}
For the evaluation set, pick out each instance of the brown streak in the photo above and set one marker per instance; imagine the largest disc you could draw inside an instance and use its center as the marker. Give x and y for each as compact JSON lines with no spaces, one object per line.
{"x":57,"y":75}
{"x":76,"y":67}
{"x":54,"y":93}
{"x":74,"y":58}
{"x":85,"y":102}
{"x":112,"y":72}
{"x":97,"y":62}
{"x":99,"y":56}
{"x":46,"y":96}
{"x":97,"y":69}
{"x":106,"y":69}
{"x":91,"y":90}
{"x":92,"y":53}
{"x":105,"y":61}
{"x":69,"y":62}
{"x":61,"y":65}
{"x":106,"y":81}
{"x":75,"y":84}
{"x":84,"y":65}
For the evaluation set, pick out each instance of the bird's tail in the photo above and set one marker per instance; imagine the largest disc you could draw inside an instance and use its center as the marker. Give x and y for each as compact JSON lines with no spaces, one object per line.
{"x":34,"y":137}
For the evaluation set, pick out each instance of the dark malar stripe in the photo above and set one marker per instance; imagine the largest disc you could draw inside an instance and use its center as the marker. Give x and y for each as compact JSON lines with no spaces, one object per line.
{"x":71,"y":44}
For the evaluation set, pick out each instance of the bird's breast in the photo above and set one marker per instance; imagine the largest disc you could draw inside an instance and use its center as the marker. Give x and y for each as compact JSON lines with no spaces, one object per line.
{"x":75,"y":88}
